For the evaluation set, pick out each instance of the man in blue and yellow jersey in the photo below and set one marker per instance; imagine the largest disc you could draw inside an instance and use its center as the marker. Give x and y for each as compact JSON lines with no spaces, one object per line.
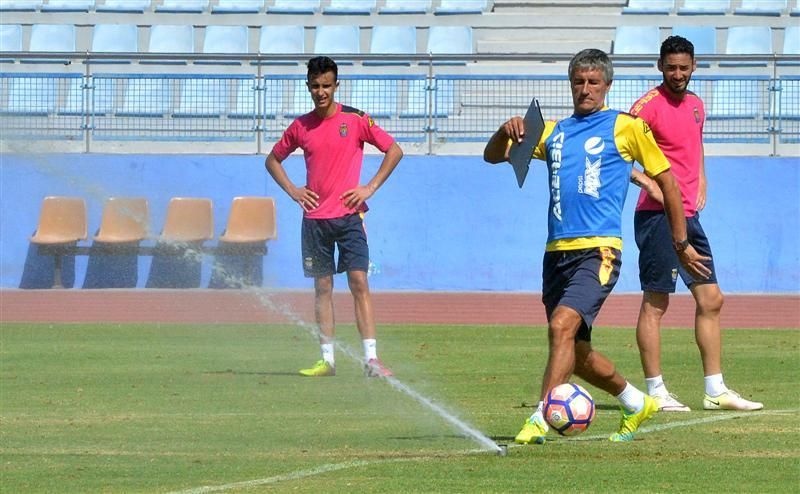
{"x":589,"y":158}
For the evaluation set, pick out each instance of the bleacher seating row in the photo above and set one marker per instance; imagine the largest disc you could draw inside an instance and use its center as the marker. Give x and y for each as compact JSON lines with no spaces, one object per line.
{"x":710,"y":7}
{"x":125,"y":223}
{"x":332,"y":7}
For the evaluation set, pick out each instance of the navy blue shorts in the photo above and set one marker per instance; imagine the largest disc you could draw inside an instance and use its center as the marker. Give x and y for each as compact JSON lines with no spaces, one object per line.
{"x":319,"y":238}
{"x":581,"y":280}
{"x":658,"y":263}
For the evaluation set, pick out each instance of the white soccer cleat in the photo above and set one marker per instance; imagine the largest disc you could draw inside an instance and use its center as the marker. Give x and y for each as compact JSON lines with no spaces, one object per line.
{"x":668,"y":402}
{"x":730,"y":400}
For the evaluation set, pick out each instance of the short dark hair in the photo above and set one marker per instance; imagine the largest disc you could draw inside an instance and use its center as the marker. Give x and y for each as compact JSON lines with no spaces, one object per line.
{"x":676,"y":44}
{"x":319,"y":65}
{"x":592,"y":58}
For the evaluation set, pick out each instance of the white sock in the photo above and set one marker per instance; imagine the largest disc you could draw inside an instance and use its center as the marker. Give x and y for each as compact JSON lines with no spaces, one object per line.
{"x":327,"y":353}
{"x":370,"y":348}
{"x":715,"y":386}
{"x":656,"y":386}
{"x":631,"y":398}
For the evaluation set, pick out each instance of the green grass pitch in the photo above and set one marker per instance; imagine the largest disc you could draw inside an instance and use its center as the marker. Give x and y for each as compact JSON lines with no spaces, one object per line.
{"x":194,"y":409}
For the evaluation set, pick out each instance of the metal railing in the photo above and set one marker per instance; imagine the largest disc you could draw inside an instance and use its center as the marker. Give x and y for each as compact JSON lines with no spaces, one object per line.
{"x":420,"y":99}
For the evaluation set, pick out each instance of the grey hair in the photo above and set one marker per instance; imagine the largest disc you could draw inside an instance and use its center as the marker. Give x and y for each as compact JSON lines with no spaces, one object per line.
{"x":592,"y":58}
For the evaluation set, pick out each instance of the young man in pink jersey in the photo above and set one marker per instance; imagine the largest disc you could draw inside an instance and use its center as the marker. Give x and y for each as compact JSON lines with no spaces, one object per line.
{"x":332,"y":138}
{"x":676,"y":117}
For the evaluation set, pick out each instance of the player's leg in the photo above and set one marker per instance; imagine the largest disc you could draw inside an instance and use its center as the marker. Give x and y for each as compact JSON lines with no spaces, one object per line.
{"x":318,"y":264}
{"x":658,"y":272}
{"x":354,"y":259}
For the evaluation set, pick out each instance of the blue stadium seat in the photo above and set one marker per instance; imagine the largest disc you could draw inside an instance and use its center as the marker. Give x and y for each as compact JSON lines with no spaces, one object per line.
{"x":406,"y":7}
{"x":791,"y":44}
{"x":337,"y":39}
{"x":238,"y":7}
{"x":732,"y":98}
{"x":171,"y":38}
{"x":350,"y":7}
{"x":294,"y":7}
{"x":748,"y":40}
{"x":51,"y":38}
{"x":658,"y":7}
{"x":68,"y":6}
{"x":225,"y":39}
{"x":637,"y":40}
{"x":761,"y":7}
{"x":20,"y":5}
{"x":450,"y":40}
{"x":202,"y":97}
{"x":34,"y":96}
{"x":183,"y":6}
{"x":146,"y":97}
{"x":10,"y":39}
{"x":458,"y":7}
{"x":115,"y":38}
{"x":705,"y":7}
{"x":300,"y":103}
{"x":704,"y":38}
{"x":377,"y":97}
{"x":795,"y":10}
{"x":282,"y":40}
{"x":124,"y":6}
{"x":392,"y":40}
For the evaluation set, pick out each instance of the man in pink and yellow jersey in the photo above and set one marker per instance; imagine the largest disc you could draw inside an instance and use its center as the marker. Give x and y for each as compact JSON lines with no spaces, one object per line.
{"x":676,"y":117}
{"x":332,"y":138}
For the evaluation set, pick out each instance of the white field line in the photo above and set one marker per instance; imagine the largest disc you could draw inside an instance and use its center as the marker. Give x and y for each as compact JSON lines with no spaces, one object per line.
{"x":332,"y":467}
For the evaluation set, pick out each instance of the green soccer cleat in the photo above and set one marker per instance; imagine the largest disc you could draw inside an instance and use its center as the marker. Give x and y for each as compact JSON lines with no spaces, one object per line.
{"x":631,"y":421}
{"x":320,"y":369}
{"x":533,"y":431}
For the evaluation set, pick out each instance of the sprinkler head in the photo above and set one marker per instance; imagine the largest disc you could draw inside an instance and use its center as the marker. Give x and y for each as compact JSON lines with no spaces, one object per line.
{"x":502,"y":450}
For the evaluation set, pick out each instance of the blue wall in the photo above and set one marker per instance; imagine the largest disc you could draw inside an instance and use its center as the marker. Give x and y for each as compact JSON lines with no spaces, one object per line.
{"x":439,"y":223}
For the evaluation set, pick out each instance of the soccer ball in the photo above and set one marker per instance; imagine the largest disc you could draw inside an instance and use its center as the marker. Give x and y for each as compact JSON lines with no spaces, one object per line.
{"x":569,"y":409}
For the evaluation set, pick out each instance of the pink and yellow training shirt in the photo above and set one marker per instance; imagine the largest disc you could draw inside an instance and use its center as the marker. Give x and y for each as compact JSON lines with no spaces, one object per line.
{"x":677,"y":126}
{"x":333,"y":148}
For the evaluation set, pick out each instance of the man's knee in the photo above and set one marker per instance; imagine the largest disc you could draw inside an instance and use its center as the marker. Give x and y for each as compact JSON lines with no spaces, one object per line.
{"x":357,"y":281}
{"x":710,"y":300}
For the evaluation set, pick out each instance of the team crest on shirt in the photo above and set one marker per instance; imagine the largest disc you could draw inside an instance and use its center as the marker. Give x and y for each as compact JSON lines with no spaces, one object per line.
{"x":675,"y":275}
{"x":696,"y":115}
{"x":343,"y":130}
{"x":308,"y":262}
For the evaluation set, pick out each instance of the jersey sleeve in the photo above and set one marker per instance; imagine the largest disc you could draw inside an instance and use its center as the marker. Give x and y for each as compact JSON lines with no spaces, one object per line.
{"x":540,"y":151}
{"x":288,"y":142}
{"x":374,"y":134}
{"x":635,"y":142}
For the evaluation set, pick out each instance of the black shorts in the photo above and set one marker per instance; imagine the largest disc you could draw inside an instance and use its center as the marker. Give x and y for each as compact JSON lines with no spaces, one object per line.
{"x":581,"y":280}
{"x":658,"y":263}
{"x":319,"y":238}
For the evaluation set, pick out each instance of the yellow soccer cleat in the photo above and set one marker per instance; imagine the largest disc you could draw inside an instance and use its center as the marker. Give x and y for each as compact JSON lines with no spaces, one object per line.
{"x":730,"y":400}
{"x":631,"y":421}
{"x":320,"y":369}
{"x":533,"y":431}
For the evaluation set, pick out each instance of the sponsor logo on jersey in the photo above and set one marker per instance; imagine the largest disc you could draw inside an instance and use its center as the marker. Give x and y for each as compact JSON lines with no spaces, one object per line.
{"x":589,"y":183}
{"x":555,"y":166}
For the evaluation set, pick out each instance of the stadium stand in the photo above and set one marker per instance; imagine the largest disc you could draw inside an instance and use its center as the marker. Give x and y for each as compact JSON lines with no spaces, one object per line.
{"x":738,"y":98}
{"x":394,"y":40}
{"x":171,"y":38}
{"x":124,"y":6}
{"x":124,"y":220}
{"x":238,"y":7}
{"x":704,"y":38}
{"x":336,"y":40}
{"x":10,"y":40}
{"x":294,"y":7}
{"x":99,"y":102}
{"x":202,"y":96}
{"x":21,"y":5}
{"x":51,"y":38}
{"x":705,"y":7}
{"x":656,"y":7}
{"x":350,"y":7}
{"x":62,"y":223}
{"x":183,"y":6}
{"x":450,"y":40}
{"x":761,"y":7}
{"x":406,"y":7}
{"x":147,"y":96}
{"x":636,"y":40}
{"x":748,"y":40}
{"x":224,"y":39}
{"x":282,"y":40}
{"x":791,"y":44}
{"x":376,"y":96}
{"x":460,"y":7}
{"x":68,"y":6}
{"x":115,"y":38}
